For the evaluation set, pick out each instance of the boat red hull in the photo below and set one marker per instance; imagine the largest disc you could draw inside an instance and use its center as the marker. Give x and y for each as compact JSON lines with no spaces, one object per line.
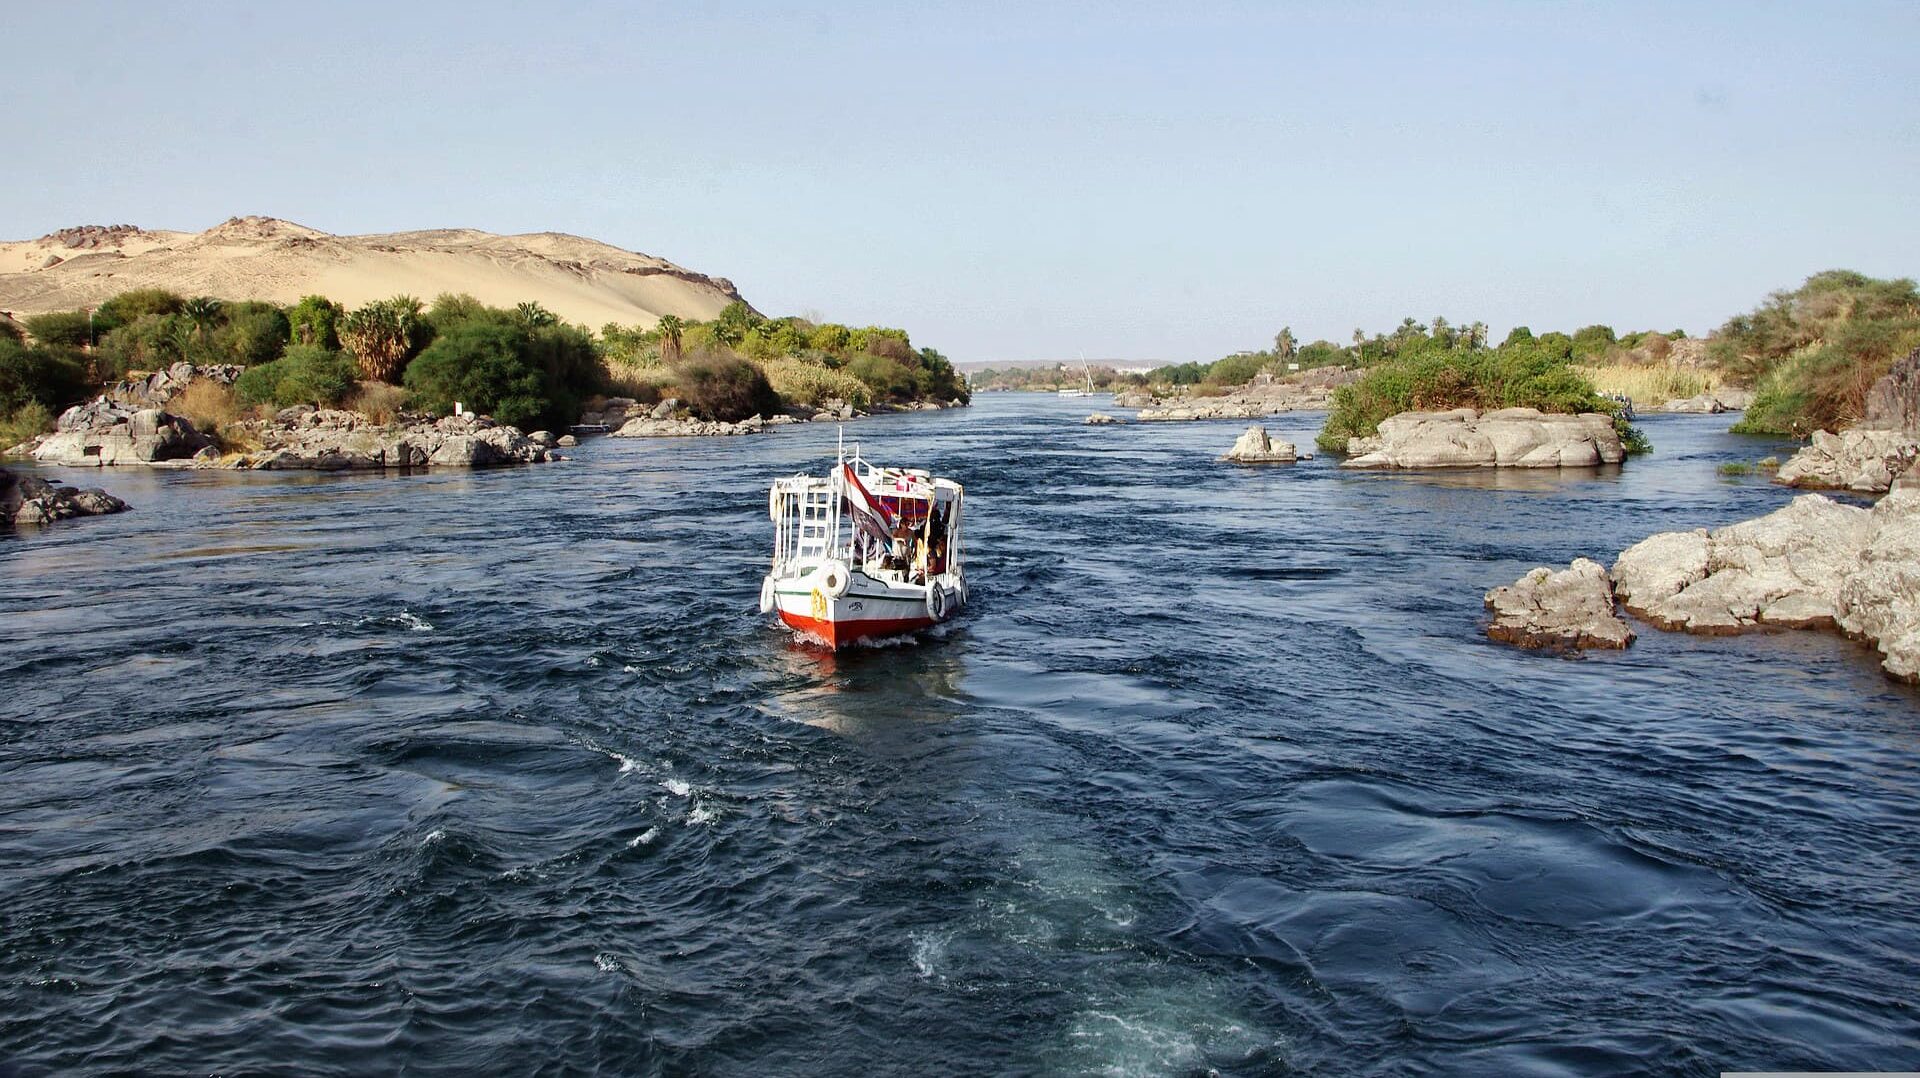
{"x":838,"y":634}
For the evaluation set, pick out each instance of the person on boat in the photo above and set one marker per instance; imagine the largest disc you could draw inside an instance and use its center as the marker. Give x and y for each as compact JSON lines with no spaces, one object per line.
{"x":937,"y":541}
{"x":902,"y":544}
{"x":922,"y":557}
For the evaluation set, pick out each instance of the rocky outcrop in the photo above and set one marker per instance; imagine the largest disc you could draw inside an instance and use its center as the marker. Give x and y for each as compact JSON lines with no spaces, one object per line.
{"x":148,"y":436}
{"x":649,"y":427}
{"x":1811,"y":564}
{"x":1507,"y":438}
{"x":1880,"y":602}
{"x":156,"y":389}
{"x":1783,"y":569}
{"x":329,"y":440}
{"x":610,"y":412}
{"x":1894,"y":401}
{"x":28,"y":500}
{"x":1570,"y":609}
{"x":1302,"y":391}
{"x":1863,"y":460}
{"x":1101,"y":419}
{"x":1255,"y":447}
{"x":1704,"y":404}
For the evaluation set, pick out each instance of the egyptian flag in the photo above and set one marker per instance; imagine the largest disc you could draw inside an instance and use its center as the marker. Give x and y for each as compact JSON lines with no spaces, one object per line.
{"x":868,"y":514}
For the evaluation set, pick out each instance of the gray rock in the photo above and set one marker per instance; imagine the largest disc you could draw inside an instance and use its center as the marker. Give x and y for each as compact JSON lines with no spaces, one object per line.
{"x":567,"y":441}
{"x":1783,"y":569}
{"x":1880,"y":602}
{"x":1866,"y":460}
{"x":1569,"y":609}
{"x":1812,"y":564}
{"x":1506,"y":438}
{"x":1255,"y":447}
{"x":1894,"y":401}
{"x":1101,"y":419}
{"x":665,"y":409}
{"x":542,"y":438}
{"x":28,"y":500}
{"x":1704,"y":404}
{"x":144,"y":437}
{"x":686,"y":428}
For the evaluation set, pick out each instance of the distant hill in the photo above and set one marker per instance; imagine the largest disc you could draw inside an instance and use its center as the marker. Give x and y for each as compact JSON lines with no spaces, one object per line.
{"x":265,"y":258}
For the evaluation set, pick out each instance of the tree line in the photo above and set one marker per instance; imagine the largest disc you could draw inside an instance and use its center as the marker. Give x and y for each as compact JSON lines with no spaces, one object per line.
{"x":523,"y":364}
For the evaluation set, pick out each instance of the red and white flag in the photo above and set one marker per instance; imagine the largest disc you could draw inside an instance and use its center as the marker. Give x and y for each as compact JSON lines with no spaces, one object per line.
{"x":869,"y":515}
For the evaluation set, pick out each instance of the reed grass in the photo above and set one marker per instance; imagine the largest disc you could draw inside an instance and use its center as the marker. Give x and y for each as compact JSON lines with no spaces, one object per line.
{"x":1650,"y":385}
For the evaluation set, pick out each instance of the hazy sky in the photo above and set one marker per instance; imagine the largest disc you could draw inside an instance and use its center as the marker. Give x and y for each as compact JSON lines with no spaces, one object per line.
{"x":1025,"y":180}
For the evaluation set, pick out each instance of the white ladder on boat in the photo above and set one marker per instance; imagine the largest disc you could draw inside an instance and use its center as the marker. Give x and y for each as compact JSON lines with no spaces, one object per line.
{"x":819,"y":519}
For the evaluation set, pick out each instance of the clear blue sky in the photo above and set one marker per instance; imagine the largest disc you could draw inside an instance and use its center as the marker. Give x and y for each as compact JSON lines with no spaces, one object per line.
{"x":1026,"y":180}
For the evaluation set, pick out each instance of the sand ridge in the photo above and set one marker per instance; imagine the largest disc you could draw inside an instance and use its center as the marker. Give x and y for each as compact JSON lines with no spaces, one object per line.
{"x":582,"y":280}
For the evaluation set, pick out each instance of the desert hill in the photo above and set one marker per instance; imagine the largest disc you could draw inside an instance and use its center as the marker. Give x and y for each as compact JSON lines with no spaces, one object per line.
{"x":265,"y":258}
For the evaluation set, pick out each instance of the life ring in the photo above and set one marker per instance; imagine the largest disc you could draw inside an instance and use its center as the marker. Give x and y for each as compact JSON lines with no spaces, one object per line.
{"x":937,"y":602}
{"x":773,"y":504}
{"x":766,"y":594}
{"x":832,"y":579}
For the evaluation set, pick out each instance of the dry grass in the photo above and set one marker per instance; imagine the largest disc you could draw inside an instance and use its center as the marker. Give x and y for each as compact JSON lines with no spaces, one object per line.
{"x":800,"y":382}
{"x":641,"y":381}
{"x":207,"y":404}
{"x":377,"y":401}
{"x":1651,"y":384}
{"x":29,"y":420}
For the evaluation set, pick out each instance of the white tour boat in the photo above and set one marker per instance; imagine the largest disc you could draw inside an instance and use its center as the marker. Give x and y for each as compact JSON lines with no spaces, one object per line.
{"x":864,"y":552}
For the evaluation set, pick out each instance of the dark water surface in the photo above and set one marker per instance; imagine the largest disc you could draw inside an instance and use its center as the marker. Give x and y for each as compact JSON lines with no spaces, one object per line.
{"x":502,"y":772}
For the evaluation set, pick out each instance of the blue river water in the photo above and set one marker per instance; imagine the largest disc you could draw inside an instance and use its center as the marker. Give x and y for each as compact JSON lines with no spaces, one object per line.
{"x":502,"y":772}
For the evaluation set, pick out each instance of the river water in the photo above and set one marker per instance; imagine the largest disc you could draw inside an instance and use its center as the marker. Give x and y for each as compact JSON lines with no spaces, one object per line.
{"x":503,"y":772}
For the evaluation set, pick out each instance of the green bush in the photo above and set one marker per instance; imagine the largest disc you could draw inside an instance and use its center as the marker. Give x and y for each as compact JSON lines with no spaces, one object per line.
{"x":129,"y":307}
{"x":726,"y":388}
{"x":521,"y":366}
{"x":306,"y":374}
{"x":253,"y":333}
{"x":315,"y":320}
{"x":23,"y":423}
{"x":1590,"y":341}
{"x":51,"y":377}
{"x":830,"y":337}
{"x":61,"y":329}
{"x":479,"y":365}
{"x":148,"y":342}
{"x":889,"y":379}
{"x":1235,"y":370}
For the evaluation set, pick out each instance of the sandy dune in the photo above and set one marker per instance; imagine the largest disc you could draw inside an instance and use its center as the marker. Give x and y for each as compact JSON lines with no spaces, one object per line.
{"x":582,"y":280}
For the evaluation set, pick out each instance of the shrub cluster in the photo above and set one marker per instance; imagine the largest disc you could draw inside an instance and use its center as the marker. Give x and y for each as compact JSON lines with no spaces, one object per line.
{"x":1522,"y":372}
{"x":1814,"y":353}
{"x":522,"y":365}
{"x":305,"y":374}
{"x":724,"y":387}
{"x":805,"y":362}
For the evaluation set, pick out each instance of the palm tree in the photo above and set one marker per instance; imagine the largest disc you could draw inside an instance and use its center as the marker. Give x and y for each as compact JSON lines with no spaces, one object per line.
{"x":202,"y":312}
{"x":536,"y":316}
{"x":1283,"y":344}
{"x":669,"y":328}
{"x":381,"y":336}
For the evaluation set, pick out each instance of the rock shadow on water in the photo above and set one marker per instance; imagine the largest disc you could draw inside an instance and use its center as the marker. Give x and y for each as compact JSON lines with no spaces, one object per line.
{"x":1523,"y":480}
